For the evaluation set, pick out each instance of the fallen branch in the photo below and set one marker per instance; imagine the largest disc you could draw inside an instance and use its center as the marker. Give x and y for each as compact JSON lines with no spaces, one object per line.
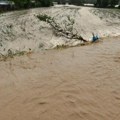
{"x":59,"y":30}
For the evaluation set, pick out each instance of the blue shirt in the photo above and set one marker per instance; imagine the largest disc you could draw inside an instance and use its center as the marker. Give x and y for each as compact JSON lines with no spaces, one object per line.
{"x":94,"y":38}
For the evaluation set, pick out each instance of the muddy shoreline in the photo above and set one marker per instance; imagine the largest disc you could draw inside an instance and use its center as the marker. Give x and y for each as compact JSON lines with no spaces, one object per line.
{"x":21,"y":30}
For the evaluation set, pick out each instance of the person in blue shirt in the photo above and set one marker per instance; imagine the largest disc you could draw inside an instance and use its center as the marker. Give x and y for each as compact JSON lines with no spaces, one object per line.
{"x":95,"y":37}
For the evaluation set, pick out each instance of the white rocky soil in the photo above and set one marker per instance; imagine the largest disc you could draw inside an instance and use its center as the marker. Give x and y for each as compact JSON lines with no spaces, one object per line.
{"x":22,"y":31}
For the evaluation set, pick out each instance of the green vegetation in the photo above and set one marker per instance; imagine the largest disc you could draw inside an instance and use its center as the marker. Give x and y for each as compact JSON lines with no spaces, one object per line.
{"x":75,"y":2}
{"x":11,"y":54}
{"x":106,"y":3}
{"x":24,"y":4}
{"x":20,"y":4}
{"x":97,"y":3}
{"x":45,"y":18}
{"x":46,"y":3}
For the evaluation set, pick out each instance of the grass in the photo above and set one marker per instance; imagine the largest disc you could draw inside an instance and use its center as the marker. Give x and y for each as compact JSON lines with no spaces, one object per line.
{"x":11,"y":54}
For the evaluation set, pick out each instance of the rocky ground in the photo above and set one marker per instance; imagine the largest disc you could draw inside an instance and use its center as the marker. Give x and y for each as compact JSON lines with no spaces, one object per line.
{"x":22,"y":31}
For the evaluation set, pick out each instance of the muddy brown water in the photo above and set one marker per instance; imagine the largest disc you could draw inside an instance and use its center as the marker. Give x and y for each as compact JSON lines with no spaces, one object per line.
{"x":79,"y":83}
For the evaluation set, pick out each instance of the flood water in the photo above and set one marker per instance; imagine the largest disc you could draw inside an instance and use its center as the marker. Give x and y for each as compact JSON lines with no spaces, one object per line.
{"x":79,"y":83}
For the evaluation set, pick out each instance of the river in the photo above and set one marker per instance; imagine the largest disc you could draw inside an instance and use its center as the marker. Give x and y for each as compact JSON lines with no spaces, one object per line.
{"x":78,"y":83}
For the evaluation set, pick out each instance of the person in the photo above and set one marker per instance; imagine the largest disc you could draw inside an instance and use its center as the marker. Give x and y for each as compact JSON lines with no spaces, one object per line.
{"x":94,"y":38}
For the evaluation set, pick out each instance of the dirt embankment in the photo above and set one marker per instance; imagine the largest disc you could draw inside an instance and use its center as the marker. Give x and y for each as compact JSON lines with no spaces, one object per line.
{"x":21,"y":30}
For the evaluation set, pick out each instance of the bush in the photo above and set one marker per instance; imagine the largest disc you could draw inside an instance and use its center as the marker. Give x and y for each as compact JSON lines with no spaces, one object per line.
{"x":46,"y":3}
{"x":44,"y":18}
{"x":106,"y":3}
{"x":29,"y":3}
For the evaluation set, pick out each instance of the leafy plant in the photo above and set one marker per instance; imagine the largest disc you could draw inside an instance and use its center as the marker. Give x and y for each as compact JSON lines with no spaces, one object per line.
{"x":45,"y":18}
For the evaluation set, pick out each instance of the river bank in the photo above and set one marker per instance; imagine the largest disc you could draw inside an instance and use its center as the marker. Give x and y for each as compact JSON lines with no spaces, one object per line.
{"x":22,"y":31}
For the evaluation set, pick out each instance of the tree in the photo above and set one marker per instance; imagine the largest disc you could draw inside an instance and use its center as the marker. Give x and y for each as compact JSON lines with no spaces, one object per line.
{"x":77,"y":2}
{"x":46,"y":3}
{"x":22,"y":3}
{"x":29,"y":3}
{"x":102,"y":3}
{"x":113,"y":2}
{"x":106,"y":3}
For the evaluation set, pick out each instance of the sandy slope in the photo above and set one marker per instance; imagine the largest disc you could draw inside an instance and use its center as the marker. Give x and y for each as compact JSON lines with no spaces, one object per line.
{"x":21,"y":30}
{"x":80,"y":83}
